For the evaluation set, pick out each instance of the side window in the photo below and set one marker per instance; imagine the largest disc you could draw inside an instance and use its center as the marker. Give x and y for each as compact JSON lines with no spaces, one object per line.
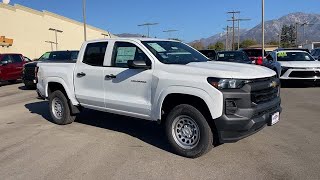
{"x":269,"y":57}
{"x":124,"y":51}
{"x":6,"y":58}
{"x":94,"y":53}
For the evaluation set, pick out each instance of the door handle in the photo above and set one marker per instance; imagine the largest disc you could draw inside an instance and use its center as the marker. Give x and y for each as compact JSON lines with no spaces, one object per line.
{"x":111,"y":76}
{"x":81,"y":74}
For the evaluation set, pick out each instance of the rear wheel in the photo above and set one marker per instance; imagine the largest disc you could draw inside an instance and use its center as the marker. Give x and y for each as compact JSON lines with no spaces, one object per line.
{"x":59,"y":108}
{"x":188,"y":131}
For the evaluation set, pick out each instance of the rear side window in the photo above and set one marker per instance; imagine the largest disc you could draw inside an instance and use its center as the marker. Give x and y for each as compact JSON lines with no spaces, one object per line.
{"x":94,"y":54}
{"x":16,"y":58}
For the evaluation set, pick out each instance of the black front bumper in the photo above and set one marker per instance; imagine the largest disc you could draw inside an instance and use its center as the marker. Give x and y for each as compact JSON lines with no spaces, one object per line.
{"x":249,"y":115}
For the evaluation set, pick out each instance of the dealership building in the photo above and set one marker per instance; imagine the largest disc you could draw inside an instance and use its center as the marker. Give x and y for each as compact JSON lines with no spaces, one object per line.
{"x":31,"y":32}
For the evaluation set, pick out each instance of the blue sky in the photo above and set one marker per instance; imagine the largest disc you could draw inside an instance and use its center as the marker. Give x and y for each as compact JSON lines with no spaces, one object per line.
{"x":193,"y":19}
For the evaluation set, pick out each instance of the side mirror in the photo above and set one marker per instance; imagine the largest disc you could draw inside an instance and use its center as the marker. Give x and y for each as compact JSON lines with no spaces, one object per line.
{"x":3,"y":63}
{"x":138,"y":64}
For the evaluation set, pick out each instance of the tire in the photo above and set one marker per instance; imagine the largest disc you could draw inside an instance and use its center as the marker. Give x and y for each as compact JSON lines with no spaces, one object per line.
{"x":188,"y":131}
{"x":59,"y":108}
{"x":12,"y":81}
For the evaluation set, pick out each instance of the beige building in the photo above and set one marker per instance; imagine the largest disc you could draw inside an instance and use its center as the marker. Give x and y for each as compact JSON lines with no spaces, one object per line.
{"x":26,"y":31}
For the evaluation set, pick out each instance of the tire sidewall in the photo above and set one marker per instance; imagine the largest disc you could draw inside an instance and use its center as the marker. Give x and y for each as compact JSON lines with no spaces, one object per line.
{"x":62,"y":98}
{"x":206,"y":138}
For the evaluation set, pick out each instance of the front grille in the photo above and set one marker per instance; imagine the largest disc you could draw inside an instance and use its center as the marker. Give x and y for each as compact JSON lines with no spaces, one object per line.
{"x":305,"y":74}
{"x":264,"y":95}
{"x":29,"y":71}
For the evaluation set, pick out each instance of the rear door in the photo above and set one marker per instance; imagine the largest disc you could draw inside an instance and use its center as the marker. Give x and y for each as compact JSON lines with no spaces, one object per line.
{"x":88,"y":76}
{"x":7,"y":70}
{"x":17,"y":63}
{"x":128,"y":90}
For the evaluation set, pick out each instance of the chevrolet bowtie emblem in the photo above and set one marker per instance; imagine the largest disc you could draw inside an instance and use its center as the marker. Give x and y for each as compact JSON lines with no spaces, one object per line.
{"x":273,"y":84}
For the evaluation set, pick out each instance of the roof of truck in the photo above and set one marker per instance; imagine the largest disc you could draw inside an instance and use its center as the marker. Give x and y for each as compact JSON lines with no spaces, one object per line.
{"x":131,"y":39}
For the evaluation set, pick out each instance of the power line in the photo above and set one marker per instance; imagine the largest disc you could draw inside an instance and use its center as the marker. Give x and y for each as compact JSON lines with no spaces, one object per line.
{"x":148,"y":26}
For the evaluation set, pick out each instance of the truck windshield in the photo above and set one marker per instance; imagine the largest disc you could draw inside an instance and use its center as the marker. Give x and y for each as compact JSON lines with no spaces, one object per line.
{"x":171,"y":52}
{"x":294,"y":56}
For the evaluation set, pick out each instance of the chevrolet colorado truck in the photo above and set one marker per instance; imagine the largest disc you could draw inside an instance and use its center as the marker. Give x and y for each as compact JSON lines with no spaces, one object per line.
{"x":199,"y":102}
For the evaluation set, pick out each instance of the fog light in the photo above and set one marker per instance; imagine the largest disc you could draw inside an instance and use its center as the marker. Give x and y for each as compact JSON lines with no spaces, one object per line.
{"x":231,"y":107}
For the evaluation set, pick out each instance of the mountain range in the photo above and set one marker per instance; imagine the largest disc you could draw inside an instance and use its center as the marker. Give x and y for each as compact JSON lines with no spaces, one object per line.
{"x":273,"y":28}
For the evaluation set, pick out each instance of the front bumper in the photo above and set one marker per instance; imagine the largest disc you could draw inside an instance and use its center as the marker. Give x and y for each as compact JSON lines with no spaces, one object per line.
{"x":248,"y":117}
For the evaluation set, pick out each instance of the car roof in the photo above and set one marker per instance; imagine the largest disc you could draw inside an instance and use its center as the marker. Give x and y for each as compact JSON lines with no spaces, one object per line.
{"x":291,"y":51}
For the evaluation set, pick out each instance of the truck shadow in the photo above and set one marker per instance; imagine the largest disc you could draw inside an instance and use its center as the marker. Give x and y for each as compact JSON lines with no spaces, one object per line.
{"x":147,"y":131}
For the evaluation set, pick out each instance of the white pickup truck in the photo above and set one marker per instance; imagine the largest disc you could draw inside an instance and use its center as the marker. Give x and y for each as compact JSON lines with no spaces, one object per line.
{"x":199,"y":102}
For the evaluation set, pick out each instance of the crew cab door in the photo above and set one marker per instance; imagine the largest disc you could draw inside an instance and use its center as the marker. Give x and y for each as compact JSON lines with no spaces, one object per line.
{"x":17,"y":63}
{"x":7,"y":70}
{"x":89,"y":76}
{"x":128,"y":90}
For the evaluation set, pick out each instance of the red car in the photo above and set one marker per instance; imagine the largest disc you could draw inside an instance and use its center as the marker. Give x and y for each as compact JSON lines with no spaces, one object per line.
{"x":11,"y":66}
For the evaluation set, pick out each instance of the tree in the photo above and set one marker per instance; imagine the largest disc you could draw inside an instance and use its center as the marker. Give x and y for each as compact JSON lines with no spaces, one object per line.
{"x":247,"y":43}
{"x":219,"y":46}
{"x":273,"y":43}
{"x":288,"y":36}
{"x":211,"y":46}
{"x":197,"y":45}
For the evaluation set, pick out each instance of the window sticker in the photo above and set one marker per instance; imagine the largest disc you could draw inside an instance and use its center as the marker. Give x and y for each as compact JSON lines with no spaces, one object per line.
{"x":282,"y":54}
{"x":175,"y":48}
{"x":307,"y":58}
{"x":157,"y":47}
{"x":125,"y":53}
{"x":221,"y":55}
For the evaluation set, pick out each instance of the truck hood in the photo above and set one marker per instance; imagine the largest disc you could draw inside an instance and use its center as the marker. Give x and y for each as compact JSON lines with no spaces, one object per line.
{"x":300,"y":64}
{"x":223,"y":70}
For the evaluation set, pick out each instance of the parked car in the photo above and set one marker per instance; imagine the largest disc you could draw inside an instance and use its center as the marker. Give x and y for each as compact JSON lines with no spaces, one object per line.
{"x":29,"y":69}
{"x":199,"y":102}
{"x":233,"y":56}
{"x":293,"y":49}
{"x":209,"y":53}
{"x":297,"y":65}
{"x":255,"y":55}
{"x":11,"y":66}
{"x":315,"y":53}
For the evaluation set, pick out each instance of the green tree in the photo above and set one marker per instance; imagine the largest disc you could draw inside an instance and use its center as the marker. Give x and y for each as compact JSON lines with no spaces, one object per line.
{"x":288,"y":36}
{"x":211,"y":46}
{"x":247,"y":43}
{"x":219,"y":46}
{"x":273,"y":43}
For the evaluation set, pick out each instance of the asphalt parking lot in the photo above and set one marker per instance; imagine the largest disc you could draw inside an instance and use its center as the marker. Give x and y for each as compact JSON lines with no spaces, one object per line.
{"x":105,"y":146}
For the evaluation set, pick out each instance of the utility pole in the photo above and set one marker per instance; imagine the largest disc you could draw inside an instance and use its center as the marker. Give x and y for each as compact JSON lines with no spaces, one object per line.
{"x":227,"y":37}
{"x":169,"y":32}
{"x":233,"y":21}
{"x":148,"y":26}
{"x":51,"y":42}
{"x":304,"y":31}
{"x":84,"y":19}
{"x":56,"y":35}
{"x":262,"y":29}
{"x":238,"y":20}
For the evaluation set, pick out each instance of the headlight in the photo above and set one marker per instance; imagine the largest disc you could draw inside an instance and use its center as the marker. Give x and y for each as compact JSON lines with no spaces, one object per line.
{"x":227,"y":83}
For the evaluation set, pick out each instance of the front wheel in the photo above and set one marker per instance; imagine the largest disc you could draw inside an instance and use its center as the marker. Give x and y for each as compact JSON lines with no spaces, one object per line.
{"x":188,"y":131}
{"x":59,"y":108}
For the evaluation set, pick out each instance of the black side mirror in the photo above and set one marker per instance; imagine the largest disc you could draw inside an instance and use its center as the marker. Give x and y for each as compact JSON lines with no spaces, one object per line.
{"x":138,"y":64}
{"x":3,"y":63}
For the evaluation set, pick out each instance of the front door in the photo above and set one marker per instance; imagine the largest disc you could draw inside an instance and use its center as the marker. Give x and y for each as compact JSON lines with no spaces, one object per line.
{"x":7,"y":70}
{"x":88,"y":76}
{"x":128,"y":90}
{"x":17,"y":63}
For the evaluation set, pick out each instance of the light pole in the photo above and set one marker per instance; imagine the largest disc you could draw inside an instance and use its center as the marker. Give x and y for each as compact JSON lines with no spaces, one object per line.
{"x":55,"y":32}
{"x":84,"y":19}
{"x":169,"y":32}
{"x":148,"y":26}
{"x":262,"y":30}
{"x":51,"y":42}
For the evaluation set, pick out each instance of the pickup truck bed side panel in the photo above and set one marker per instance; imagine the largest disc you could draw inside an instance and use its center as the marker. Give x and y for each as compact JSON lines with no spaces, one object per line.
{"x":65,"y":78}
